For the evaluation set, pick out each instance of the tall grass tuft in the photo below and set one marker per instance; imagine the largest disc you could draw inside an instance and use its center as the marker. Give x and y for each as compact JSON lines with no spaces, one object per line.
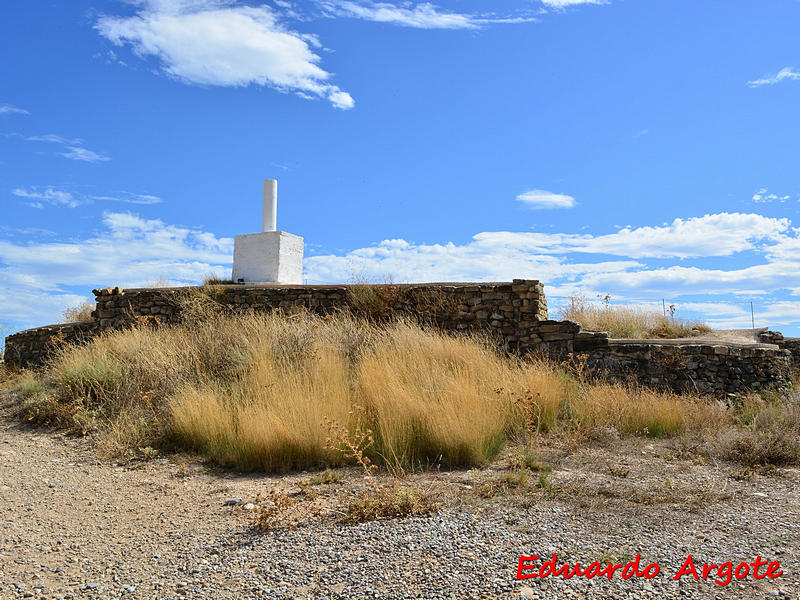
{"x":769,"y":433}
{"x":272,"y":416}
{"x":631,"y":410}
{"x":430,"y":397}
{"x":77,"y":314}
{"x":621,"y":321}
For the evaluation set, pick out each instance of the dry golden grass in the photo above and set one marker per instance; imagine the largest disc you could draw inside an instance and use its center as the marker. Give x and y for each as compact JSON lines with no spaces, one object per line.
{"x":768,"y":432}
{"x":77,"y":314}
{"x":260,"y":391}
{"x":631,"y":410}
{"x":159,"y":283}
{"x":8,"y":376}
{"x":430,"y":397}
{"x":216,"y":279}
{"x":390,"y":502}
{"x":627,"y":321}
{"x":272,"y":416}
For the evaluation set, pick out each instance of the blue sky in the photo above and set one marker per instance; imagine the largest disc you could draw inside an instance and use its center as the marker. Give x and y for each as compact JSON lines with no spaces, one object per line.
{"x":642,"y":150}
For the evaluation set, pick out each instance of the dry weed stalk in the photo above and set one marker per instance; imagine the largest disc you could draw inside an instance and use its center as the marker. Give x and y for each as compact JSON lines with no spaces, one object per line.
{"x":576,"y":365}
{"x":382,"y":501}
{"x":352,"y":445}
{"x":531,"y":406}
{"x":284,"y":511}
{"x":278,"y":512}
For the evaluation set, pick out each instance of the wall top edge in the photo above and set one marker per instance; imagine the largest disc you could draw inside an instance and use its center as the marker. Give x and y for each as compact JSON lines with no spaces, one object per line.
{"x":246,"y":286}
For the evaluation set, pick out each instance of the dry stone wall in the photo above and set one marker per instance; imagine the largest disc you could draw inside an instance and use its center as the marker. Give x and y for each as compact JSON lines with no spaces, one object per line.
{"x":790,"y":344}
{"x":35,"y":346}
{"x":515,"y":313}
{"x":500,"y":306}
{"x":701,"y":368}
{"x":793,"y":346}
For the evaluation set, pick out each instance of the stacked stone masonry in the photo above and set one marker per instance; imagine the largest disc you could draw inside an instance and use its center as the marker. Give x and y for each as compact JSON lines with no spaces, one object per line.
{"x":460,"y":306}
{"x":790,"y":344}
{"x":700,"y":368}
{"x":33,"y":346}
{"x":514,"y":313}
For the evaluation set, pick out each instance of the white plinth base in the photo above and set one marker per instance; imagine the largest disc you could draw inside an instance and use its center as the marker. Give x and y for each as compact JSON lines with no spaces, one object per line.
{"x":268,"y":257}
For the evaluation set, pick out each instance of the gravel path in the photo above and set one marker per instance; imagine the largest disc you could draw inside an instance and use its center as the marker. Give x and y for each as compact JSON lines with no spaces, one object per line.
{"x":75,"y":527}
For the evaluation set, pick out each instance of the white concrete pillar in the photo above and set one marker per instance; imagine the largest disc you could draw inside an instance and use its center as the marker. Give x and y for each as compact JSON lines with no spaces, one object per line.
{"x":271,"y":256}
{"x":269,"y":219}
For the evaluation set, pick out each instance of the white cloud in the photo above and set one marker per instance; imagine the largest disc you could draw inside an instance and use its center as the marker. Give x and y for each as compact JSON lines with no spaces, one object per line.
{"x":787,"y":247}
{"x":545,"y":199}
{"x":30,"y":307}
{"x":130,"y":198}
{"x":422,"y":16}
{"x":766,"y":313}
{"x":764,"y":263}
{"x":564,"y":263}
{"x":492,"y":253}
{"x":8,"y":109}
{"x":777,"y":313}
{"x":762,"y":195}
{"x":717,"y":309}
{"x":129,"y":252}
{"x":78,"y":153}
{"x":786,"y":73}
{"x":72,"y":148}
{"x":41,"y":195}
{"x":405,"y":261}
{"x":56,"y":139}
{"x":217,"y":43}
{"x":37,"y":231}
{"x":565,"y":3}
{"x":679,"y":280}
{"x":734,"y":314}
{"x":47,"y":195}
{"x":721,"y":234}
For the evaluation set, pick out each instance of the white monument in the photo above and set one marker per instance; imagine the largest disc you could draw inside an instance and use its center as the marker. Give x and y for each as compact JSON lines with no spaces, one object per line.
{"x":270,"y":256}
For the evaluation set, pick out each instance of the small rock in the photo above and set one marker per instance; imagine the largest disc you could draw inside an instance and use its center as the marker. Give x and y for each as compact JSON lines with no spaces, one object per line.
{"x":233,"y":501}
{"x":604,"y":436}
{"x":527,"y":592}
{"x":249,"y":506}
